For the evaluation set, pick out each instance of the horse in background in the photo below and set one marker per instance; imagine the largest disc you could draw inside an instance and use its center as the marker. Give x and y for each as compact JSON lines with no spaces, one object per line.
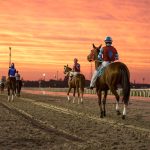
{"x":114,"y":74}
{"x":18,"y":87}
{"x":77,"y":83}
{"x":11,"y":86}
{"x":2,"y":87}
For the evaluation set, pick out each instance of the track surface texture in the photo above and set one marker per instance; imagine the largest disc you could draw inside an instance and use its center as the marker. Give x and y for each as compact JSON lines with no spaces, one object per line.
{"x":43,"y":122}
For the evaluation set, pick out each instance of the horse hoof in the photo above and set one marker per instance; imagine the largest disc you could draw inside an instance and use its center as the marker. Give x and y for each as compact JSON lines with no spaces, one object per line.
{"x":118,"y":112}
{"x":104,"y":114}
{"x":101,"y":116}
{"x":68,"y":98}
{"x":123,"y":117}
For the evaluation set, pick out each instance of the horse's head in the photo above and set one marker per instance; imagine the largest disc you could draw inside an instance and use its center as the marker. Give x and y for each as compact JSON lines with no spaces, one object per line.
{"x":93,"y":56}
{"x":67,"y":69}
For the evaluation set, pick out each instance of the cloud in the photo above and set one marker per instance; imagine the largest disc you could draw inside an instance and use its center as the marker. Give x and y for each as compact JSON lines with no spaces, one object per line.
{"x":51,"y":33}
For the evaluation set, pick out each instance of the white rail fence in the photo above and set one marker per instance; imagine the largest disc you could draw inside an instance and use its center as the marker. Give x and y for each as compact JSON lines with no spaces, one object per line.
{"x":133,"y":92}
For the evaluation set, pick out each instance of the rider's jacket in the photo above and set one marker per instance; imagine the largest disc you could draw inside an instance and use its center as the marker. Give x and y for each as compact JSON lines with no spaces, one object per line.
{"x":108,"y":53}
{"x":76,"y":67}
{"x":11,"y":72}
{"x":17,"y":75}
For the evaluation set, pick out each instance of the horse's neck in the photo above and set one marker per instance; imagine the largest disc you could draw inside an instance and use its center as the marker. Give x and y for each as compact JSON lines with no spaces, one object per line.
{"x":97,"y":64}
{"x":68,"y":74}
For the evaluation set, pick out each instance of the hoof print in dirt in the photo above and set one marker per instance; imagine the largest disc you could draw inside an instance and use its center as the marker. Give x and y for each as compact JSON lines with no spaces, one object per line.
{"x":118,"y":112}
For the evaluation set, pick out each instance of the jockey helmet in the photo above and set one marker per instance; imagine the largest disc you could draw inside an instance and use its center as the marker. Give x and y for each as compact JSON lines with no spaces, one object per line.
{"x":12,"y":65}
{"x":108,"y":39}
{"x":75,"y":59}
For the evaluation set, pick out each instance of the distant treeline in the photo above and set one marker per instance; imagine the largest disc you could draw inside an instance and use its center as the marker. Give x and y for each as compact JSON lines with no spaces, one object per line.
{"x":64,"y":83}
{"x":50,"y":83}
{"x":140,"y":86}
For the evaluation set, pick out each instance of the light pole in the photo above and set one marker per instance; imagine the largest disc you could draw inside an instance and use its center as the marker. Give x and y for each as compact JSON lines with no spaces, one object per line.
{"x":143,"y":80}
{"x":44,"y":76}
{"x":44,"y":79}
{"x":9,"y":56}
{"x":57,"y":75}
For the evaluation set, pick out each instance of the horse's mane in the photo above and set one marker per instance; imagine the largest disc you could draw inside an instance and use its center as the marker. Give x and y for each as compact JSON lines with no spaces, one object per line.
{"x":68,"y":67}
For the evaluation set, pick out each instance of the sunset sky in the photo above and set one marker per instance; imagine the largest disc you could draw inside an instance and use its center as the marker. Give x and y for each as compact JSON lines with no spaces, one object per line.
{"x":45,"y":35}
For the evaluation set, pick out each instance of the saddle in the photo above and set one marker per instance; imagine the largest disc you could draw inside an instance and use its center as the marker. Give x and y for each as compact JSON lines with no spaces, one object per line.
{"x":101,"y":71}
{"x":77,"y":76}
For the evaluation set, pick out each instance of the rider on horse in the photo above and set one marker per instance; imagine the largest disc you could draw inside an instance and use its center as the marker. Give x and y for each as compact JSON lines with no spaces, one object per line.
{"x":12,"y":72}
{"x":76,"y":69}
{"x":107,"y":55}
{"x":17,"y":75}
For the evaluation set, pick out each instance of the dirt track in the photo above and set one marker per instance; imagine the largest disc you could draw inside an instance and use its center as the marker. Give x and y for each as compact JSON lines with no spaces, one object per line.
{"x":50,"y":122}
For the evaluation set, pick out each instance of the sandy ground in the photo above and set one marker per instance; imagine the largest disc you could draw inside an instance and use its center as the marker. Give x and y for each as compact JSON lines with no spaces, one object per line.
{"x":72,"y":120}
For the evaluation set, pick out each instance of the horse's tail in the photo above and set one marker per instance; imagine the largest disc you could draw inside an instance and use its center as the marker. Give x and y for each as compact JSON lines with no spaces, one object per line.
{"x":125,"y":83}
{"x":82,"y":81}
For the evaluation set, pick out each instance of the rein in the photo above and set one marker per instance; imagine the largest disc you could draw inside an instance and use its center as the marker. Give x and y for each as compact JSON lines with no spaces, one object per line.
{"x":68,"y":72}
{"x":98,"y":61}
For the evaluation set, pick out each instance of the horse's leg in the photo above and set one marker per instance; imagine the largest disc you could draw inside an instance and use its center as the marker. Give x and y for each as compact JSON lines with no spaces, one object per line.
{"x":78,"y":95}
{"x":13,"y":89}
{"x":100,"y":105}
{"x":19,"y":88}
{"x":117,"y":98}
{"x":16,"y":89}
{"x":8,"y":90}
{"x":12,"y":95}
{"x":124,"y":111}
{"x":68,"y":93}
{"x":19,"y":91}
{"x":104,"y":101}
{"x":82,"y":92}
{"x":74,"y":93}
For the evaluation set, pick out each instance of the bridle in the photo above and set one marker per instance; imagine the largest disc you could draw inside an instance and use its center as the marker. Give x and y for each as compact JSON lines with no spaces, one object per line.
{"x":92,"y":55}
{"x":67,"y":72}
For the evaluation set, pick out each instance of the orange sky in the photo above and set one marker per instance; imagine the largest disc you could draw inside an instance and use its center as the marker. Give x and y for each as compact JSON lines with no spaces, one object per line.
{"x":47,"y":34}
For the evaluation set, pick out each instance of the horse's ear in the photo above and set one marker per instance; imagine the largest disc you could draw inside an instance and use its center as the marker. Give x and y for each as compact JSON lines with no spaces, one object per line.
{"x":100,"y":46}
{"x":94,"y":46}
{"x":67,"y":65}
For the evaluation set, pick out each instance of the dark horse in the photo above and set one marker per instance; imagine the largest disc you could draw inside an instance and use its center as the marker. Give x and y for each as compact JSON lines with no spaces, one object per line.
{"x":2,"y":86}
{"x":18,"y":87}
{"x":77,"y":82}
{"x":11,"y":86}
{"x":114,"y":74}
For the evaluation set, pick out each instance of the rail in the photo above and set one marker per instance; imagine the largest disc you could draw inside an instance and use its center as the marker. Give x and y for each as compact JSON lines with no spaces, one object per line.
{"x":133,"y":92}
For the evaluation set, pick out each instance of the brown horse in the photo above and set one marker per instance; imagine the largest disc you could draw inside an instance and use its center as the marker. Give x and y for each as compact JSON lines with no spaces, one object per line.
{"x":114,"y":74}
{"x":77,"y":82}
{"x":2,"y":87}
{"x":11,"y":86}
{"x":18,"y":87}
